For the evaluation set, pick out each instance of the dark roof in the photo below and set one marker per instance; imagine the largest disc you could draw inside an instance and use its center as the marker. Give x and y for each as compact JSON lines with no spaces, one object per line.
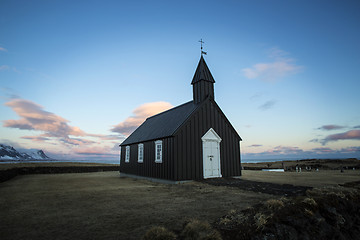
{"x":161,"y":125}
{"x":202,"y":72}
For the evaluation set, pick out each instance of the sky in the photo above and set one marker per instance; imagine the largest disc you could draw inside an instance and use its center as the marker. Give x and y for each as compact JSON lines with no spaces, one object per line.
{"x":77,"y":77}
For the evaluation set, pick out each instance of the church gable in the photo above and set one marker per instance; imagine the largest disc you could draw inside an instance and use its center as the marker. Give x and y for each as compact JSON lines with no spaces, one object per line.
{"x":188,"y":143}
{"x":209,"y":114}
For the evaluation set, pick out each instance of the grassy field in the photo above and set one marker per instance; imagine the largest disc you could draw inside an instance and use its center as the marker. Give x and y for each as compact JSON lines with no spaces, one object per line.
{"x":324,"y":178}
{"x":322,"y":164}
{"x":102,"y":205}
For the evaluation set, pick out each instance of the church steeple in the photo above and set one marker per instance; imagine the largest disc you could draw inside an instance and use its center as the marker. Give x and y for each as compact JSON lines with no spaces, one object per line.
{"x":203,"y":82}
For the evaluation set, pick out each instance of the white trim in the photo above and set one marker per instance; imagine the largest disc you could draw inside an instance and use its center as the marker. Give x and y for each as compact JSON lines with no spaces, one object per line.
{"x":211,"y":136}
{"x":158,"y":154}
{"x":127,"y":154}
{"x":140,"y":153}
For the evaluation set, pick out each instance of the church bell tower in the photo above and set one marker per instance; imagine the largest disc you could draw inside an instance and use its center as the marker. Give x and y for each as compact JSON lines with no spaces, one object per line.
{"x":203,"y":82}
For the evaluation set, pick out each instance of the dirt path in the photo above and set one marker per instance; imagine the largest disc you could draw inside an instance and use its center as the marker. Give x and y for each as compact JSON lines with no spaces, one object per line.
{"x":260,"y":187}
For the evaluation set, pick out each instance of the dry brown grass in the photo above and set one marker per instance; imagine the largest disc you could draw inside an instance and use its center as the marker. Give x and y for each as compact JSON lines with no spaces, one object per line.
{"x":199,"y":230}
{"x":274,"y":204}
{"x":159,"y":233}
{"x":326,"y":213}
{"x":102,"y":205}
{"x":261,"y":220}
{"x":311,"y":179}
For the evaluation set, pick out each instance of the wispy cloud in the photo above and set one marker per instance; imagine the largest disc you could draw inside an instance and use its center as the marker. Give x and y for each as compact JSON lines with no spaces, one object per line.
{"x":315,"y":140}
{"x":92,"y":150}
{"x":323,"y":150}
{"x":3,"y":49}
{"x":349,"y":135}
{"x":293,"y":152}
{"x":98,"y":151}
{"x":281,"y":66}
{"x":255,"y":145}
{"x":106,"y":137}
{"x":139,"y":115}
{"x":256,"y":96}
{"x":330,"y":127}
{"x":4,"y":67}
{"x":287,"y":150}
{"x":267,"y":105}
{"x":36,"y":138}
{"x":350,"y":150}
{"x":8,"y":68}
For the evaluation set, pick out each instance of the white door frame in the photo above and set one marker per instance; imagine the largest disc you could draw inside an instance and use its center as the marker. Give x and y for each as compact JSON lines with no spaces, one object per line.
{"x":211,"y":136}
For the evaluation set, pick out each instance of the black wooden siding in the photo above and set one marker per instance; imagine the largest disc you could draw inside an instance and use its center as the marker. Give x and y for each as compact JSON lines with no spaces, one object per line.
{"x":149,"y":168}
{"x":188,"y":144}
{"x":182,"y":157}
{"x":202,"y":90}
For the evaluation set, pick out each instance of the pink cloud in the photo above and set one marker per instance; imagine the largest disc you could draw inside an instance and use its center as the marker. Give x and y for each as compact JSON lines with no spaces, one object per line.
{"x":139,"y":116}
{"x":34,"y":117}
{"x":352,"y":134}
{"x":3,"y":49}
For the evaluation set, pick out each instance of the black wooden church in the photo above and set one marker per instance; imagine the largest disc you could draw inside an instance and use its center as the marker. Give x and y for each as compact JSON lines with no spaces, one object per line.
{"x":192,"y":141}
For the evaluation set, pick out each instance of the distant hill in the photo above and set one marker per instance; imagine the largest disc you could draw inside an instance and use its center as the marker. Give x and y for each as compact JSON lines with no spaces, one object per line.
{"x":9,"y":153}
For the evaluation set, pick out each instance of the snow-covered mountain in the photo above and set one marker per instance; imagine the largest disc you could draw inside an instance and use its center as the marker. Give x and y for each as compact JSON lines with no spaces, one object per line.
{"x":10,"y":153}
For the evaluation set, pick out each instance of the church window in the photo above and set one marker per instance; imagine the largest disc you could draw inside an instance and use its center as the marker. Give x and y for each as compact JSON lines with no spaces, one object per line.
{"x":127,"y":154}
{"x":140,"y":153}
{"x":158,"y":151}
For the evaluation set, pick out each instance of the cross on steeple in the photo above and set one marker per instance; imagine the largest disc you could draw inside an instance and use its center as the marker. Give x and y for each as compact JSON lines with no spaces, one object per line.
{"x":202,"y":52}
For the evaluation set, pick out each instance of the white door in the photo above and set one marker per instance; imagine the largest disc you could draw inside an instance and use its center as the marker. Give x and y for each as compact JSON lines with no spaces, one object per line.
{"x":211,"y":154}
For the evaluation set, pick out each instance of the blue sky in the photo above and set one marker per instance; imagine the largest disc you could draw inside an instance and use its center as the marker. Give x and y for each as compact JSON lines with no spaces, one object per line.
{"x":76,"y":77}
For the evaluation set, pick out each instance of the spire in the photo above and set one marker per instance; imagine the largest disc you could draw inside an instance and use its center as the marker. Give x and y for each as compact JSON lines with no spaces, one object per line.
{"x":203,"y":82}
{"x":202,"y":72}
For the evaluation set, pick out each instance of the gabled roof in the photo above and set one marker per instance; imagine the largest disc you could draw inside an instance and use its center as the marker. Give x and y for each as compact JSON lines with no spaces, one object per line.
{"x":161,"y":125}
{"x":202,"y":72}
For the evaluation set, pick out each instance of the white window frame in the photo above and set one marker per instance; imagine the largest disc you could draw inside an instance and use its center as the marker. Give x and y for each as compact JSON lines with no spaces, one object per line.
{"x":127,"y":154}
{"x":140,"y":153}
{"x":158,"y":157}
